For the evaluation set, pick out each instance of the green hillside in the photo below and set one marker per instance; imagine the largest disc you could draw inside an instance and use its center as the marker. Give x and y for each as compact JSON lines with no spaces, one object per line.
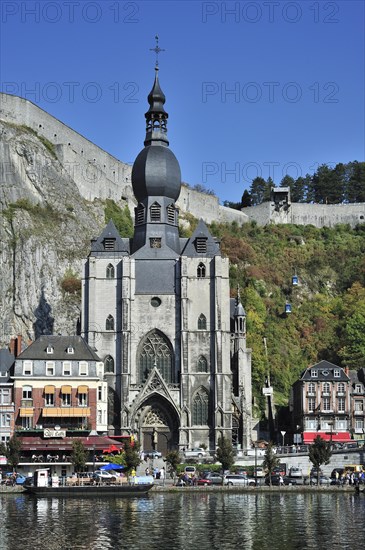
{"x":328,"y":305}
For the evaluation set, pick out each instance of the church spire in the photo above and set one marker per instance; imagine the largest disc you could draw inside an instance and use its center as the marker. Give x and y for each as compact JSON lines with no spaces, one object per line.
{"x":156,"y":116}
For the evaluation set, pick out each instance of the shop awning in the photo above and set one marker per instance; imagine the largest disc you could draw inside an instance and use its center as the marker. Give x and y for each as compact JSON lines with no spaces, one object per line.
{"x":336,"y":437}
{"x":66,"y":389}
{"x":91,"y":443}
{"x":57,"y":412}
{"x":83,"y":389}
{"x":49,"y":389}
{"x":25,"y":411}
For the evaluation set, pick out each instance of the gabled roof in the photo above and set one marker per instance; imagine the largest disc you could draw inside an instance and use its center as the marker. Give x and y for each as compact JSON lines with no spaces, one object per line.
{"x":201,"y":231}
{"x":60,"y":344}
{"x":6,"y":362}
{"x":121,"y":246}
{"x":325,"y":371}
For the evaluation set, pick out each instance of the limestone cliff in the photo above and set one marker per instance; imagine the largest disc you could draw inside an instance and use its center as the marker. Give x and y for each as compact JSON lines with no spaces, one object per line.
{"x":45,"y":230}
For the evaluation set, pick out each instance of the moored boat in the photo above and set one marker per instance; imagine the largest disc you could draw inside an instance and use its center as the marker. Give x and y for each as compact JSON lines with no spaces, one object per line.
{"x":43,"y":485}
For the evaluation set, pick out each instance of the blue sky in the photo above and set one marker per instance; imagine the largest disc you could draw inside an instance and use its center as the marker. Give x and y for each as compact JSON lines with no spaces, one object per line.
{"x":253,"y":88}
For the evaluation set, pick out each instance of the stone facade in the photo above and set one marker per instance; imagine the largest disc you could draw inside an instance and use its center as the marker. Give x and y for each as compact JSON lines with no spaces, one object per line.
{"x":157,"y":308}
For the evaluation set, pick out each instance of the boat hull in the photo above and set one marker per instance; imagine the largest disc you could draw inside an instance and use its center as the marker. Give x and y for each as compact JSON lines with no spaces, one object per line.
{"x":90,"y":490}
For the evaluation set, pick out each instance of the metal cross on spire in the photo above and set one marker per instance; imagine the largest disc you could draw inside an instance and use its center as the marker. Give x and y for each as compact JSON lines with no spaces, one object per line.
{"x":157,"y":50}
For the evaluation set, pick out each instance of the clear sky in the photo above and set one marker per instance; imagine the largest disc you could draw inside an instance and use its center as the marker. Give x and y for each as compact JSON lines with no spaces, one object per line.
{"x":252,"y":87}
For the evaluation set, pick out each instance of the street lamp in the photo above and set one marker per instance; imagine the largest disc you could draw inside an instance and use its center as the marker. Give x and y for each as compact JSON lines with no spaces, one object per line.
{"x":283,"y":435}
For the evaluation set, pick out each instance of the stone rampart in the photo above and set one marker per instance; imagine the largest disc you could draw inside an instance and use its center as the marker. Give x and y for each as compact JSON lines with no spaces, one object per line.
{"x":96,"y":173}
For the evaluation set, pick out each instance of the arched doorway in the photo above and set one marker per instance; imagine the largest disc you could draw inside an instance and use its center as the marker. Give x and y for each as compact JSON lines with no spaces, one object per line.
{"x":158,"y":426}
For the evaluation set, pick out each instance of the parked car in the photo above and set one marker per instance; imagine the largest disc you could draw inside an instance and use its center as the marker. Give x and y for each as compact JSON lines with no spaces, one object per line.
{"x":293,"y":480}
{"x":152,"y":454}
{"x":259,"y":472}
{"x":195,"y":452}
{"x":276,"y":479}
{"x":280,"y":470}
{"x":323,"y":480}
{"x":295,"y":472}
{"x":210,"y":478}
{"x":104,"y":475}
{"x":238,"y":480}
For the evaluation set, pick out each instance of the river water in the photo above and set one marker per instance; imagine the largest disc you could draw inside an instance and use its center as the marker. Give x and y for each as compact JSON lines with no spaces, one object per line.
{"x":190,"y":521}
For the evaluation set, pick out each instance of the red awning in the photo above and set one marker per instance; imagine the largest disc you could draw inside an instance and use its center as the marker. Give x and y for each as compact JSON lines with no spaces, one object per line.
{"x":337,"y":437}
{"x":36,"y":443}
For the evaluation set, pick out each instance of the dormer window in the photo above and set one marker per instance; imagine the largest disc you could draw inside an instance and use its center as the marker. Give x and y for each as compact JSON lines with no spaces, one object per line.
{"x":70,"y":349}
{"x":49,"y":350}
{"x":109,"y":244}
{"x":314,"y":373}
{"x":337,"y":373}
{"x":201,"y":245}
{"x":155,"y":212}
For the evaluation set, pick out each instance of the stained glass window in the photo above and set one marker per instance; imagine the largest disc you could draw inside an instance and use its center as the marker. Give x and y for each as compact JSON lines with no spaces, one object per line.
{"x":156,"y":352}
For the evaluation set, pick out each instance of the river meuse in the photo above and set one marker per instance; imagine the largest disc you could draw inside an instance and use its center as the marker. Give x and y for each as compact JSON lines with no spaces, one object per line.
{"x":194,"y":521}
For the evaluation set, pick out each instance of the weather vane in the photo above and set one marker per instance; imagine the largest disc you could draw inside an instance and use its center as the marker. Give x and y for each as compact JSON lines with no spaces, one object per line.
{"x":157,"y":50}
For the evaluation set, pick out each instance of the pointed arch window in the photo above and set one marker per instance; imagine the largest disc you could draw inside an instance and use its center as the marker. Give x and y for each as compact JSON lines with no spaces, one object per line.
{"x":109,"y":323}
{"x":155,"y":212}
{"x":109,"y":364}
{"x":200,"y":415}
{"x":110,"y":271}
{"x":202,"y":365}
{"x":201,"y":271}
{"x":170,"y":213}
{"x":202,"y":322}
{"x":155,"y":351}
{"x":140,"y":214}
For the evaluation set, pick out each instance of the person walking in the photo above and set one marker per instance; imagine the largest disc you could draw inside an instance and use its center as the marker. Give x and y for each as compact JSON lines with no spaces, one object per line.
{"x":162,"y":475}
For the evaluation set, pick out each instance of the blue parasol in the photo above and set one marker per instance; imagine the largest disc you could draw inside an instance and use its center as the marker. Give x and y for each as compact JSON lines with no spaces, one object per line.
{"x":111,"y":466}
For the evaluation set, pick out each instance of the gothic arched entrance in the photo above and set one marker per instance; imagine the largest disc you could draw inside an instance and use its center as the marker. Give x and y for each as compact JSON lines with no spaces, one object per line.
{"x":158,"y":425}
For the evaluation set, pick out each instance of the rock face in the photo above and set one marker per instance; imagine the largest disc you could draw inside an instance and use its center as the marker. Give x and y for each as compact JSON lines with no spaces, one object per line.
{"x":45,"y":231}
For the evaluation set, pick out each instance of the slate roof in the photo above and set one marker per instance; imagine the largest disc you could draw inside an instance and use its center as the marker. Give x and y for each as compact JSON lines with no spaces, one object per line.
{"x":213,"y":248}
{"x":60,"y":344}
{"x":6,"y":361}
{"x":325,"y":367}
{"x":122,"y":246}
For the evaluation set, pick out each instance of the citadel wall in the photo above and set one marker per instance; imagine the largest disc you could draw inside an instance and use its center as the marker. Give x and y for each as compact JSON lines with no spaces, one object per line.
{"x":98,"y":174}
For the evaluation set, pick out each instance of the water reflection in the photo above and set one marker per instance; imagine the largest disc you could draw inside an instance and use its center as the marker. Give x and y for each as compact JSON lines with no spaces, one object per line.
{"x":201,"y":521}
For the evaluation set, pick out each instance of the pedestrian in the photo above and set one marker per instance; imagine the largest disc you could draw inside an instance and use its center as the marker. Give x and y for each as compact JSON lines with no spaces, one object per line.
{"x":162,"y":475}
{"x":147,"y":471}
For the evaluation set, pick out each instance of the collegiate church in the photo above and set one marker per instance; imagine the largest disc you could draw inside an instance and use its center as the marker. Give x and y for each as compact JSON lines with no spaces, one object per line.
{"x":157,"y":309}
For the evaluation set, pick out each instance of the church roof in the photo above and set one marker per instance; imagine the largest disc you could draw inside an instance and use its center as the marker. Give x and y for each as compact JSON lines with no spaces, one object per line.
{"x":191,"y":248}
{"x":109,"y":241}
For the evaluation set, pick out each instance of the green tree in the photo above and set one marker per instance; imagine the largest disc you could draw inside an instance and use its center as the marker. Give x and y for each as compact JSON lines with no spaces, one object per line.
{"x":78,"y":455}
{"x":287,"y":181}
{"x":121,"y":217}
{"x":225,"y":453}
{"x":246,"y":199}
{"x":131,"y":455}
{"x":270,"y":461}
{"x":173,"y":460}
{"x":299,"y":189}
{"x":320,"y":453}
{"x":257,"y":190}
{"x":12,"y":451}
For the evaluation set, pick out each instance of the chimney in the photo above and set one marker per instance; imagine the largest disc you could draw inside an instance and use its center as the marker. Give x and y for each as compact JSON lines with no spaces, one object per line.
{"x":347,"y":371}
{"x":12,"y":346}
{"x":18,"y":345}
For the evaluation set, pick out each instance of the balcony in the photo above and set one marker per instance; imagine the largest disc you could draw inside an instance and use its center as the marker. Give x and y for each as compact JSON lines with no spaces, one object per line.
{"x":359,"y":413}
